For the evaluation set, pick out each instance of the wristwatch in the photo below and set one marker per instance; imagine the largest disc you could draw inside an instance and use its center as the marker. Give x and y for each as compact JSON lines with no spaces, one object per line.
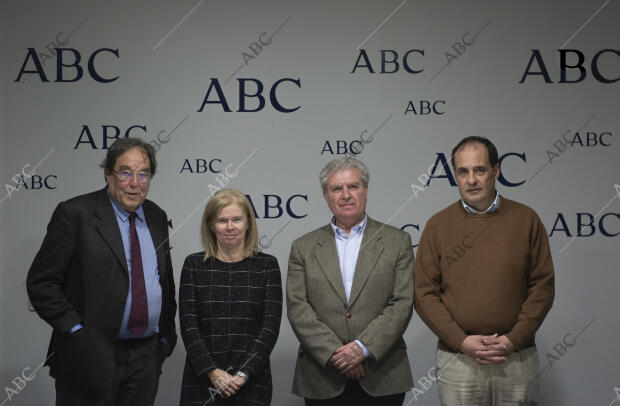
{"x":243,"y":375}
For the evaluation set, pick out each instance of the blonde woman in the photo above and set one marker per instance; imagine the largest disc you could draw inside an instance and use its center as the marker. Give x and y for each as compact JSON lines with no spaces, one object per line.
{"x":230,"y":306}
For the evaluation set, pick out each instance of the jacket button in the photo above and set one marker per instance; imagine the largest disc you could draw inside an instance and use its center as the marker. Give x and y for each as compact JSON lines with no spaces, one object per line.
{"x":348,"y":315}
{"x":116,"y":328}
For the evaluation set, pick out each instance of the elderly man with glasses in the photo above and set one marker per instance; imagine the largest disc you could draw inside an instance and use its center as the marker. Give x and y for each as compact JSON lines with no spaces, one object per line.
{"x":103,"y":280}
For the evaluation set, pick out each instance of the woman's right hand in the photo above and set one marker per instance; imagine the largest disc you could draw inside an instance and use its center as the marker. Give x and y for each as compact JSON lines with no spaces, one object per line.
{"x":223,"y":383}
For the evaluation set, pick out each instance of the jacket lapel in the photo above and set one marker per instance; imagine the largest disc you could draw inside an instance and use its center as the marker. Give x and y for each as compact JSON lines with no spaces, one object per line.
{"x":108,"y":227}
{"x":370,"y":251}
{"x":327,"y":256}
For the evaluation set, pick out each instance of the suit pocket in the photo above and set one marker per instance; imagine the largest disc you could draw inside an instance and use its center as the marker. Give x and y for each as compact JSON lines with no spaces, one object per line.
{"x":446,"y":358}
{"x":160,"y":353}
{"x":83,"y":357}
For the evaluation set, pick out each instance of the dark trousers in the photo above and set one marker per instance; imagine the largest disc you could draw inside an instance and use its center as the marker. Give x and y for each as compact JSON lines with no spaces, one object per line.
{"x":354,"y":395}
{"x":138,"y":366}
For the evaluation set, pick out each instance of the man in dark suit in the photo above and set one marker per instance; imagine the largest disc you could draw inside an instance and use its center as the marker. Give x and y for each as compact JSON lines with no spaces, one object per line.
{"x":103,"y":280}
{"x":350,"y":298}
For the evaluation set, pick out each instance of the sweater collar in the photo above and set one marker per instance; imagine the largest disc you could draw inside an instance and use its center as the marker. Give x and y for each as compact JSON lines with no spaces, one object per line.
{"x":491,"y":209}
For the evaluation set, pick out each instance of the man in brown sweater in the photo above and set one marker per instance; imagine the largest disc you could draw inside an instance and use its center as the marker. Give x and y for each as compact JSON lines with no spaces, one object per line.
{"x":484,"y":283}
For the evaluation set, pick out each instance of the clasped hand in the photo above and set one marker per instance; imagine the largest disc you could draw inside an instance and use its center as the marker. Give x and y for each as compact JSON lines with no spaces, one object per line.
{"x":487,"y":350}
{"x":348,"y":360}
{"x":224,"y":383}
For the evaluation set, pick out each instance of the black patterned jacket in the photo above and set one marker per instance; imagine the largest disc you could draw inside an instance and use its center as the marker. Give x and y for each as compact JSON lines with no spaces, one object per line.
{"x":230,"y":319}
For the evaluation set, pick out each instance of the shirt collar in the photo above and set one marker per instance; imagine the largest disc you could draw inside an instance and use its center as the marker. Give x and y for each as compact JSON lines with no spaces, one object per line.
{"x":491,"y":209}
{"x":359,"y":228}
{"x":122,"y":213}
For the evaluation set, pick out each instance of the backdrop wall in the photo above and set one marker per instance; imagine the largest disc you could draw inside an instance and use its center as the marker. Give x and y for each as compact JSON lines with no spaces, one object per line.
{"x":396,"y":83}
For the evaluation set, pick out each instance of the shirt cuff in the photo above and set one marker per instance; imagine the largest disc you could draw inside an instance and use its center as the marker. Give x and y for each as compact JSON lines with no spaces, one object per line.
{"x":75,"y":328}
{"x":363,"y":347}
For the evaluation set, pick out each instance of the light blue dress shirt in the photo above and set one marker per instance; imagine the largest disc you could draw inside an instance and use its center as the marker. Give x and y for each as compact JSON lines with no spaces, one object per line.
{"x":149,"y":266}
{"x":492,"y":208}
{"x":348,"y":247}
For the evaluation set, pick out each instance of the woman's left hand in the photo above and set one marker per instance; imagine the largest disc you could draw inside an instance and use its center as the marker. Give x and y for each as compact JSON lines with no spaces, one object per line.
{"x":239,"y":381}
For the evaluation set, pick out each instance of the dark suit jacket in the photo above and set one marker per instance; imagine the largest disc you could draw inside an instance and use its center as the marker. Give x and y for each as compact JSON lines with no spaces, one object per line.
{"x":377,"y":313}
{"x":80,"y":275}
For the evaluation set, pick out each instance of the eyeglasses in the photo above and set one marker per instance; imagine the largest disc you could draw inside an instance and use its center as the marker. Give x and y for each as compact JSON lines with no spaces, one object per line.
{"x":126,"y":176}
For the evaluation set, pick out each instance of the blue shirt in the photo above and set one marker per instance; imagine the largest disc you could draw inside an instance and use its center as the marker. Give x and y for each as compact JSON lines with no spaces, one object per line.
{"x":492,"y":208}
{"x":348,"y":247}
{"x":149,"y":266}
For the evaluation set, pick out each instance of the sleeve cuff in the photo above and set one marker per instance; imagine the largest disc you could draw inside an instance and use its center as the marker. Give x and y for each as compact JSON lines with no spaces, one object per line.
{"x":363,"y":347}
{"x":75,"y":328}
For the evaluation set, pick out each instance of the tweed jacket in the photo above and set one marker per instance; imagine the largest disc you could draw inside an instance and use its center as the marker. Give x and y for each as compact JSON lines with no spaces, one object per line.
{"x":377,"y":313}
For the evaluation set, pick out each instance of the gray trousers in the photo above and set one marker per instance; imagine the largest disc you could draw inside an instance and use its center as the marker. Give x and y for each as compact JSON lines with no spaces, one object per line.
{"x":464,"y":382}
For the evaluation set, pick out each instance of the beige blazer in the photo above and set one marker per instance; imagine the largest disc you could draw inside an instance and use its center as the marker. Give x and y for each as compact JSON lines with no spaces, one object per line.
{"x":377,"y":313}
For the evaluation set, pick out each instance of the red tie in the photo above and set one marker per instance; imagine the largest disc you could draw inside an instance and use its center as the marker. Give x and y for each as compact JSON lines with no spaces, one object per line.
{"x":139,"y":314}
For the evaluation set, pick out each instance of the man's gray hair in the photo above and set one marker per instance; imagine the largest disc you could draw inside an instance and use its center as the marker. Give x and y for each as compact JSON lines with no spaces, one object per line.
{"x":339,"y":164}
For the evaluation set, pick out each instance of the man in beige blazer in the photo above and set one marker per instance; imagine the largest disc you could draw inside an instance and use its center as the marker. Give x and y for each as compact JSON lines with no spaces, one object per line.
{"x":349,"y":300}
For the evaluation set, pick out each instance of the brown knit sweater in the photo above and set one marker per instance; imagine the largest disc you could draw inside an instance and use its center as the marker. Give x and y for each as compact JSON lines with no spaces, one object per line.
{"x":484,"y":274}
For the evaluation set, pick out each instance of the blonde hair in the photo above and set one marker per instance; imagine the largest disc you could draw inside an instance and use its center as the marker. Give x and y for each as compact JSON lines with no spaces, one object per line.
{"x":216,"y":203}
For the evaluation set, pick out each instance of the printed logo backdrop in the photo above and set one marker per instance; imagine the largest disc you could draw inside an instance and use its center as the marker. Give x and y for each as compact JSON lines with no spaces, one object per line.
{"x":258,"y":96}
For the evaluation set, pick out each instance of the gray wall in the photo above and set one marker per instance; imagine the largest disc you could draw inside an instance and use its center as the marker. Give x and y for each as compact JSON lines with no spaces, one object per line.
{"x":168,"y":53}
